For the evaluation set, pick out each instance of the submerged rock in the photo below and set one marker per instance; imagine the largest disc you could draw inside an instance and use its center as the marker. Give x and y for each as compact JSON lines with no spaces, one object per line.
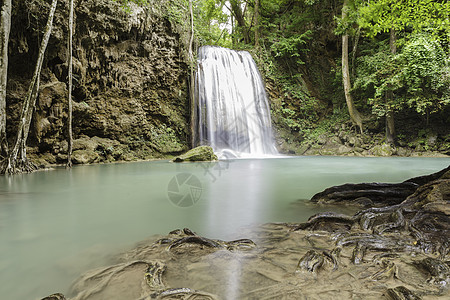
{"x":201,"y":153}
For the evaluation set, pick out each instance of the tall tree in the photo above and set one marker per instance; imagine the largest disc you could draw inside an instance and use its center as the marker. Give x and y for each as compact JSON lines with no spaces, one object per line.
{"x":354,"y":113}
{"x":256,"y":23}
{"x":15,"y":165}
{"x":70,"y":67}
{"x":236,"y":10}
{"x":5,"y":28}
{"x":390,"y":121}
{"x":391,"y":16}
{"x":192,"y":80}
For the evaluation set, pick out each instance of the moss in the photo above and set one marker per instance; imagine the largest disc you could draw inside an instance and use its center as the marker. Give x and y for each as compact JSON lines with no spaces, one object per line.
{"x":201,"y":153}
{"x":165,"y":140}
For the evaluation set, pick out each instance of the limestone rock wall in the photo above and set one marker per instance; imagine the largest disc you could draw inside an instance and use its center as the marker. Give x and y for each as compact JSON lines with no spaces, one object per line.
{"x":130,"y":95}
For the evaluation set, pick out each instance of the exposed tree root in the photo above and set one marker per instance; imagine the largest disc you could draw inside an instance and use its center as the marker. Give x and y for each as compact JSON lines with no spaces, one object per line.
{"x":57,"y":296}
{"x":399,"y":251}
{"x":401,"y":293}
{"x":104,"y":276}
{"x":193,"y":239}
{"x":185,"y":294}
{"x":17,"y":167}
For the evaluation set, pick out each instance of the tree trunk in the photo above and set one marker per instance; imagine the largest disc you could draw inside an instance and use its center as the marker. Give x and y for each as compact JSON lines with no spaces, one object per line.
{"x":390,"y":126}
{"x":239,"y":16}
{"x":256,"y":23}
{"x":5,"y":28}
{"x":192,"y":80}
{"x":23,"y":165}
{"x":354,"y":113}
{"x":233,"y":36}
{"x":355,"y":49}
{"x":69,"y":65}
{"x":390,"y":123}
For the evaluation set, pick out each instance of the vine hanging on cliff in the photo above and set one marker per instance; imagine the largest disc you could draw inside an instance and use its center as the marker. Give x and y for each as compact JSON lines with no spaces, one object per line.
{"x":13,"y":164}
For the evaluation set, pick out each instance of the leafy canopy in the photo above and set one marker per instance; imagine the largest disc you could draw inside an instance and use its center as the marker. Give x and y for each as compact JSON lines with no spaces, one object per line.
{"x":418,"y":76}
{"x":379,"y":16}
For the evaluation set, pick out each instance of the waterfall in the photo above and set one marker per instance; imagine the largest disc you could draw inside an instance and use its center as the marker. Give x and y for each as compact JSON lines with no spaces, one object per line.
{"x":233,"y":114}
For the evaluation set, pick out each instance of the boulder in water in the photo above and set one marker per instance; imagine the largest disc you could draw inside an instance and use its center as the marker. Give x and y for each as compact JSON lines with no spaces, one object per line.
{"x":201,"y":153}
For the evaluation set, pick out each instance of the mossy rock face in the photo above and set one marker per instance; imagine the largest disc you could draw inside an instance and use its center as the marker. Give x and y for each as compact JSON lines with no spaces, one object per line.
{"x":201,"y":153}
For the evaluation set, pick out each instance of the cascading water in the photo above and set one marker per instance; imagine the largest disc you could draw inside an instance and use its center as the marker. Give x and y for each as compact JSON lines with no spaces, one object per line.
{"x":233,"y":114}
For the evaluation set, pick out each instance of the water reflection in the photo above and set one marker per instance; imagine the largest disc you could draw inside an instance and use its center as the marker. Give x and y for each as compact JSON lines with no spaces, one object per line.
{"x":55,"y":225}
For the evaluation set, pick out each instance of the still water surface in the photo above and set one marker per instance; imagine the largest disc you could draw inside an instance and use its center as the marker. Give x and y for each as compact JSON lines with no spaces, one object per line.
{"x":56,"y":224}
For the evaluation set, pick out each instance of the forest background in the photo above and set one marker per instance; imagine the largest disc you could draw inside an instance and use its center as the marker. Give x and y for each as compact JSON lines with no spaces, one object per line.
{"x":343,"y":77}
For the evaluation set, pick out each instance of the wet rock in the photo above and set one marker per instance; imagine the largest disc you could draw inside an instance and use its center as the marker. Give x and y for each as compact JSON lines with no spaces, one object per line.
{"x":343,"y":150}
{"x":85,"y":143}
{"x":303,"y":149}
{"x":354,"y":141}
{"x":358,"y":149}
{"x":382,"y":150}
{"x":403,"y":152}
{"x":201,"y":153}
{"x":84,"y":157}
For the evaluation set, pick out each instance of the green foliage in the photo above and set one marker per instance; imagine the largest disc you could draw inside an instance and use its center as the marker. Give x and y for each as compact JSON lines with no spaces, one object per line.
{"x":347,"y":24}
{"x":417,"y":76}
{"x":376,"y":74}
{"x":177,"y":13}
{"x":325,"y":126}
{"x":382,"y":15}
{"x":291,"y":47}
{"x":209,"y":20}
{"x":424,"y":75}
{"x":284,"y":30}
{"x":165,"y":137}
{"x":298,"y":111}
{"x":211,"y":23}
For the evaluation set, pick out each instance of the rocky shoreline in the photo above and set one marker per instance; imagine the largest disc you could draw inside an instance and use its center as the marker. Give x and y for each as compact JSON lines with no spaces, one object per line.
{"x":343,"y":140}
{"x":395,"y":247}
{"x":92,"y":150}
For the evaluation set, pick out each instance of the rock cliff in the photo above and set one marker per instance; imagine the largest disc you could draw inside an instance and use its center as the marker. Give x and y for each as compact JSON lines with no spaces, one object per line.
{"x":130,"y":82}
